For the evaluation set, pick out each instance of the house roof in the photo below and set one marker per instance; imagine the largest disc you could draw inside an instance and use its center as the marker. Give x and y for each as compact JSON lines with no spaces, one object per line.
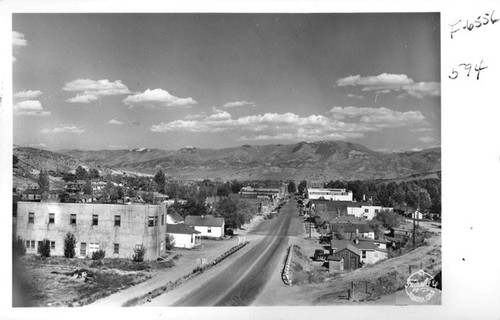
{"x":180,"y":228}
{"x":175,"y":216}
{"x":334,"y":258}
{"x":344,"y":244}
{"x":350,"y":227}
{"x":33,"y":191}
{"x":365,"y":244}
{"x":204,"y":221}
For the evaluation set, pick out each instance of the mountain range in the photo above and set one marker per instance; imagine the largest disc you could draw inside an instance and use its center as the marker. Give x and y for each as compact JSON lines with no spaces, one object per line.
{"x":312,"y":161}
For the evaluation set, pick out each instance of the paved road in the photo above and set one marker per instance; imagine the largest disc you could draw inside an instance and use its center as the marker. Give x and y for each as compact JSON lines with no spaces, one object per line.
{"x":241,"y":282}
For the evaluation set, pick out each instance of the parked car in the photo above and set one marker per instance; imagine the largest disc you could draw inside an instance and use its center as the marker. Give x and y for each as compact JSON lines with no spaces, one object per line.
{"x":320,"y":255}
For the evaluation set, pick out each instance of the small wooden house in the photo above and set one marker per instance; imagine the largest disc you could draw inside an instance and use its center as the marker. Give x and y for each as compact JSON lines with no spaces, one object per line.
{"x":335,"y":263}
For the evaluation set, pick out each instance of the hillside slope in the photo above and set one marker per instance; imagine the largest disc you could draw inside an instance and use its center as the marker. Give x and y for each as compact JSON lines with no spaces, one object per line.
{"x":322,"y":161}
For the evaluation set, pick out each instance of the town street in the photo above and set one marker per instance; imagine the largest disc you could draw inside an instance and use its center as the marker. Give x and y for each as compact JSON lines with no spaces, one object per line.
{"x":244,"y":276}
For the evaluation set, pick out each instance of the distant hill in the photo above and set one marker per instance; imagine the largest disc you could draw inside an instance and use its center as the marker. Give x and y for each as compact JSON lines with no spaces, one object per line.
{"x":319,"y":161}
{"x":32,"y":160}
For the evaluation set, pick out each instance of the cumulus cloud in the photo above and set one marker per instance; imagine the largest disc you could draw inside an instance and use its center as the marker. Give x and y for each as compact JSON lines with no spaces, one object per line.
{"x":65,"y":129}
{"x":350,"y":95}
{"x":18,"y":39}
{"x":422,"y":89}
{"x":157,"y":98}
{"x":427,"y":140}
{"x":238,"y":104}
{"x":91,"y":90}
{"x":29,"y":94}
{"x":385,"y":83}
{"x":340,"y":123}
{"x":17,"y":42}
{"x":38,"y":145}
{"x":30,"y":108}
{"x":373,"y":83}
{"x":114,"y":121}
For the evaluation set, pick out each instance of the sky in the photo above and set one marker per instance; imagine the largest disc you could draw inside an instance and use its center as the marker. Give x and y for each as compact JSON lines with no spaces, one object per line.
{"x":167,"y":81}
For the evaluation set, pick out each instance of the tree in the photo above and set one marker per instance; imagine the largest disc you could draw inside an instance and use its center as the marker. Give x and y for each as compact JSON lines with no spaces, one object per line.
{"x":236,"y":186}
{"x":302,"y":186}
{"x":139,"y":253}
{"x":93,"y":173}
{"x":69,"y":245}
{"x":235,"y":212}
{"x":160,"y":179}
{"x":388,"y":219}
{"x":424,"y":199}
{"x":223,"y":190}
{"x":43,"y":181}
{"x":376,"y":226}
{"x":169,"y":242}
{"x":81,"y":173}
{"x":44,"y":248}
{"x":87,"y":187}
{"x":15,"y":161}
{"x":18,"y":247}
{"x":291,"y":187}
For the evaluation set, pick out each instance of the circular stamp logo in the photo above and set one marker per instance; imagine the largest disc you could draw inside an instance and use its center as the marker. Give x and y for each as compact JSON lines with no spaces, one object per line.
{"x":420,"y":286}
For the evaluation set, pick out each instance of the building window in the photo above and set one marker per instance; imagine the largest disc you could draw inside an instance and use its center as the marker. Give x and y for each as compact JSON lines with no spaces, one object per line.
{"x":31,"y":197}
{"x":162,"y":219}
{"x":95,"y":219}
{"x":83,"y":249}
{"x":31,"y":217}
{"x":52,"y":217}
{"x":162,"y":246}
{"x":52,"y":245}
{"x":375,"y":254}
{"x":366,"y":210}
{"x":93,"y":247}
{"x":376,"y":210}
{"x":363,"y":254}
{"x":209,"y":229}
{"x":118,"y":221}
{"x":30,"y":244}
{"x":151,"y":221}
{"x":156,"y":221}
{"x":138,"y":246}
{"x":116,"y":248}
{"x":72,"y":219}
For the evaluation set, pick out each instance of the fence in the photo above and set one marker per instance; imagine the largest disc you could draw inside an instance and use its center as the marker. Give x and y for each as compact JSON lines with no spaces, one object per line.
{"x":372,"y":288}
{"x":285,"y":275}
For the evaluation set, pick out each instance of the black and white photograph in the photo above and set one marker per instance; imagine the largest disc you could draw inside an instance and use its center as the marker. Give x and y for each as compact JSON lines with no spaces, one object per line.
{"x":237,"y":159}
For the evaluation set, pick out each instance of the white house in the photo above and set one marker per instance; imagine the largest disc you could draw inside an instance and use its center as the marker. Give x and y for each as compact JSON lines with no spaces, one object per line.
{"x":208,"y":226}
{"x":370,"y":252}
{"x":184,"y":236}
{"x":361,"y":209}
{"x":329,"y":194}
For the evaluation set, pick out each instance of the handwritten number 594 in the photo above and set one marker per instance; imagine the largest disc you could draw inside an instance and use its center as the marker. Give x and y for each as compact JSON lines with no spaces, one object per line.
{"x":468,"y":68}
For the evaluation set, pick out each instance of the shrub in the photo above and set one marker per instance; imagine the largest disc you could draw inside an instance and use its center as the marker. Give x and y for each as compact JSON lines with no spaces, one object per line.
{"x":169,"y":242}
{"x":98,"y":255}
{"x":69,"y":245}
{"x":18,"y":247}
{"x":44,"y":249}
{"x":139,"y":253}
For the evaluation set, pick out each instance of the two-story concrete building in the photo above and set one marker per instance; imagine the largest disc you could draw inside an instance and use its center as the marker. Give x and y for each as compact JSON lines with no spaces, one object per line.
{"x":115,"y":228}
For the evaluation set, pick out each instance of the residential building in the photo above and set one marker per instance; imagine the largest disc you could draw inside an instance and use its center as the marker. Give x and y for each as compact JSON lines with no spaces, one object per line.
{"x":118,"y":229}
{"x":262,"y":193}
{"x":370,"y":252}
{"x":345,"y":249}
{"x":335,"y":263}
{"x":208,"y":226}
{"x":174,"y":218}
{"x":329,"y":194}
{"x":350,"y":231}
{"x":184,"y":236}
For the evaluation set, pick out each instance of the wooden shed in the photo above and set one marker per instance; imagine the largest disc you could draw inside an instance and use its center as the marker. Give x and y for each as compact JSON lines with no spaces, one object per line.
{"x":335,"y":263}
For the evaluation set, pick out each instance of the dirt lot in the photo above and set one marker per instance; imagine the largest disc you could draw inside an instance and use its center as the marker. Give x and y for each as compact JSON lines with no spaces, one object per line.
{"x":57,"y":281}
{"x":381,"y":283}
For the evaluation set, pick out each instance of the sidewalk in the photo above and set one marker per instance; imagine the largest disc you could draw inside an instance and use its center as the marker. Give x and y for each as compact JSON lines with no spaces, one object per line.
{"x":188,"y":261}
